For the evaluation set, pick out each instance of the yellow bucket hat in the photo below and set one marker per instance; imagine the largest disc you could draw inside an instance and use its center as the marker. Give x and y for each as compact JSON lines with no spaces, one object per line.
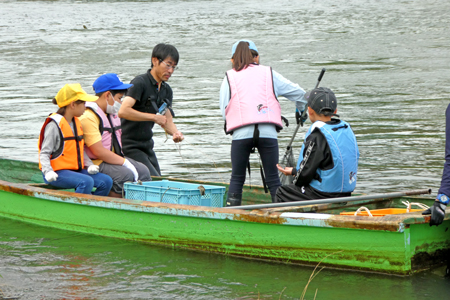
{"x":73,"y":92}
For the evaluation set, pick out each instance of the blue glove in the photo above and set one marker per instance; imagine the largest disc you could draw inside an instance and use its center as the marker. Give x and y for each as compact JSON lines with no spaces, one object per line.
{"x":298,"y":117}
{"x":437,"y":211}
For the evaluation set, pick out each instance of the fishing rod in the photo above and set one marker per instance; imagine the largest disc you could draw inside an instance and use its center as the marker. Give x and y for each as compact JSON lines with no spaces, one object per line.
{"x":334,"y":200}
{"x":317,"y":85}
{"x":287,"y":179}
{"x":302,"y":117}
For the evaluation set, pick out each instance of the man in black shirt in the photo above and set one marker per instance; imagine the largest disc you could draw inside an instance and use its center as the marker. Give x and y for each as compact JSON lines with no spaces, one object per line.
{"x":139,"y":110}
{"x":328,"y":161}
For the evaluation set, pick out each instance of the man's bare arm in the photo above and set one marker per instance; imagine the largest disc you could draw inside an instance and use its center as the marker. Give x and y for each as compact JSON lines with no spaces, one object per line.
{"x":129,"y":113}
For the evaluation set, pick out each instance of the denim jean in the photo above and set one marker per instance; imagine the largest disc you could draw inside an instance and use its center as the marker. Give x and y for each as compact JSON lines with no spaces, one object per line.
{"x":83,"y":182}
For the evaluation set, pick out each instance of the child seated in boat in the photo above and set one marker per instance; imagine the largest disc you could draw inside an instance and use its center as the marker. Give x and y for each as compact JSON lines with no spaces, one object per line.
{"x":103,"y":132}
{"x":328,"y":161}
{"x":62,"y":159}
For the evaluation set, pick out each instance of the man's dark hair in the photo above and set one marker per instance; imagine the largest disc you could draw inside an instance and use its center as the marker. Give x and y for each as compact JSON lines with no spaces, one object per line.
{"x":162,"y":51}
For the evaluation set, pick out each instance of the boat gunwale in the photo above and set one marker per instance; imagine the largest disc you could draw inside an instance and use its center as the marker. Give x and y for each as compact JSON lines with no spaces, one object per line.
{"x":387,"y":223}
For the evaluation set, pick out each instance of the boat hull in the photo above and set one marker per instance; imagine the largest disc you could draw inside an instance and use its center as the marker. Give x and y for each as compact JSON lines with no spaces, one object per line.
{"x":388,"y":245}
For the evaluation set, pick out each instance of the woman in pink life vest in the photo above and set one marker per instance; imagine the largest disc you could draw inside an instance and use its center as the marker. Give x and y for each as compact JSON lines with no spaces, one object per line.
{"x":249,"y":105}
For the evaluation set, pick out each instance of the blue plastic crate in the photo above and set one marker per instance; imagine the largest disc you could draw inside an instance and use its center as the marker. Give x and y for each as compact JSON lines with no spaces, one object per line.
{"x":175,"y":192}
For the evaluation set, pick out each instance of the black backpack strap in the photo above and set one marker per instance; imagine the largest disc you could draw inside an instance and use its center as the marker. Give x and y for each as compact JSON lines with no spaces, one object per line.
{"x":263,"y":177}
{"x":255,"y":145}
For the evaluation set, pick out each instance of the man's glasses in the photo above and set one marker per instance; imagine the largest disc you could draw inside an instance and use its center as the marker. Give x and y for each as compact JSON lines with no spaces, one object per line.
{"x":169,"y":66}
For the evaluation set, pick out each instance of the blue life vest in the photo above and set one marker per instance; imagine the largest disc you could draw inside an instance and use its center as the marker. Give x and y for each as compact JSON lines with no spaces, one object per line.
{"x":344,"y":149}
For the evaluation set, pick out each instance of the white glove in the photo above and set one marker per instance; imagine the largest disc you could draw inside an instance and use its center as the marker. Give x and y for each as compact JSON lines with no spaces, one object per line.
{"x":51,"y":176}
{"x":130,"y":166}
{"x":93,"y":169}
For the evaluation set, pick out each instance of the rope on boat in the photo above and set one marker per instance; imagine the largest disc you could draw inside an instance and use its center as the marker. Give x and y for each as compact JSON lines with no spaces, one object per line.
{"x":408,"y":205}
{"x":169,"y":188}
{"x":363,"y":208}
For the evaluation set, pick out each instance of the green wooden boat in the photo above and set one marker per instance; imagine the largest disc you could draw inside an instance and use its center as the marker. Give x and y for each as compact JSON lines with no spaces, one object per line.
{"x":396,"y":244}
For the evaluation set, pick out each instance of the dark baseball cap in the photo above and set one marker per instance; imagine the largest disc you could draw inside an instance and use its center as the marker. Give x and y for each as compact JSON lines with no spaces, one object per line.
{"x":322,"y":100}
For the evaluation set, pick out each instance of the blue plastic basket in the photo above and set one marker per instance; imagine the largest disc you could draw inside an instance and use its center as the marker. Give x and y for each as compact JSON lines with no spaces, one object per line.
{"x":175,"y":192}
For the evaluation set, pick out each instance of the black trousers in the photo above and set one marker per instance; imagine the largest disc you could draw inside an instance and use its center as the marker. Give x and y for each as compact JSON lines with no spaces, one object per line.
{"x":240,"y":154}
{"x":142,"y":151}
{"x":291,"y":192}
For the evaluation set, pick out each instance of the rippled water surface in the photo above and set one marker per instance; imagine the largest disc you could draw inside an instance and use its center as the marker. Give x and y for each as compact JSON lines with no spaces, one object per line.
{"x":387,"y":61}
{"x":42,"y":263}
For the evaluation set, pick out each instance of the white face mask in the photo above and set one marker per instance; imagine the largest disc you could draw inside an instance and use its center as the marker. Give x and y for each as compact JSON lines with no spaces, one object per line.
{"x":113,"y":109}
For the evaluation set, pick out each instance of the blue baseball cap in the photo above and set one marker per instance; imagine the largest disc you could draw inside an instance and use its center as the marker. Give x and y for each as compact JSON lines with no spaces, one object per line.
{"x":251,"y":45}
{"x":109,"y":82}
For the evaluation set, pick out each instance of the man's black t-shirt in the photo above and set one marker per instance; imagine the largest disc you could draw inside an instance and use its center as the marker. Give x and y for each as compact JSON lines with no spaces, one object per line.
{"x":148,"y":100}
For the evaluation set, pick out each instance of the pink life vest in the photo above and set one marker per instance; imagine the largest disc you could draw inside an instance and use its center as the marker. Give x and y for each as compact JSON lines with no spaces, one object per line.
{"x":253,"y":99}
{"x":109,"y":124}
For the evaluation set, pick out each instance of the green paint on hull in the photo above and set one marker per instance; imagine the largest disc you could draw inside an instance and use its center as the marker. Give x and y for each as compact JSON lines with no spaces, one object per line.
{"x":397,"y":244}
{"x":370,"y":250}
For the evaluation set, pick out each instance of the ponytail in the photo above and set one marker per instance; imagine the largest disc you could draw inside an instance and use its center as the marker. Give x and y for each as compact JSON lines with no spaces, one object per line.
{"x":243,"y":56}
{"x":61,"y":110}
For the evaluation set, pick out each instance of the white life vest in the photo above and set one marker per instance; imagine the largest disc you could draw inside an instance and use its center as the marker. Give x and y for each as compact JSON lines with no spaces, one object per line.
{"x":109,"y":125}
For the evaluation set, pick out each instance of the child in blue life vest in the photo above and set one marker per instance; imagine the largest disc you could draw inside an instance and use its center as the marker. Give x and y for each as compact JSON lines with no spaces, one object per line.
{"x":328,"y":162}
{"x":62,"y":159}
{"x":249,"y":105}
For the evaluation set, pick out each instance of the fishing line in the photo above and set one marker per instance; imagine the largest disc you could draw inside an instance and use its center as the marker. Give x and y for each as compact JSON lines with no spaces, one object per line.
{"x":215,"y":166}
{"x":178,"y":147}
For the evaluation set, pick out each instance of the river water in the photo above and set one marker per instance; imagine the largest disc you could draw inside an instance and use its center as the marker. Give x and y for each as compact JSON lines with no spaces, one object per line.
{"x":386,"y":60}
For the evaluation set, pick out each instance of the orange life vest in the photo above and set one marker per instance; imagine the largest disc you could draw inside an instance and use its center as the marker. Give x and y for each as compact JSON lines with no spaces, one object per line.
{"x":69,"y":155}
